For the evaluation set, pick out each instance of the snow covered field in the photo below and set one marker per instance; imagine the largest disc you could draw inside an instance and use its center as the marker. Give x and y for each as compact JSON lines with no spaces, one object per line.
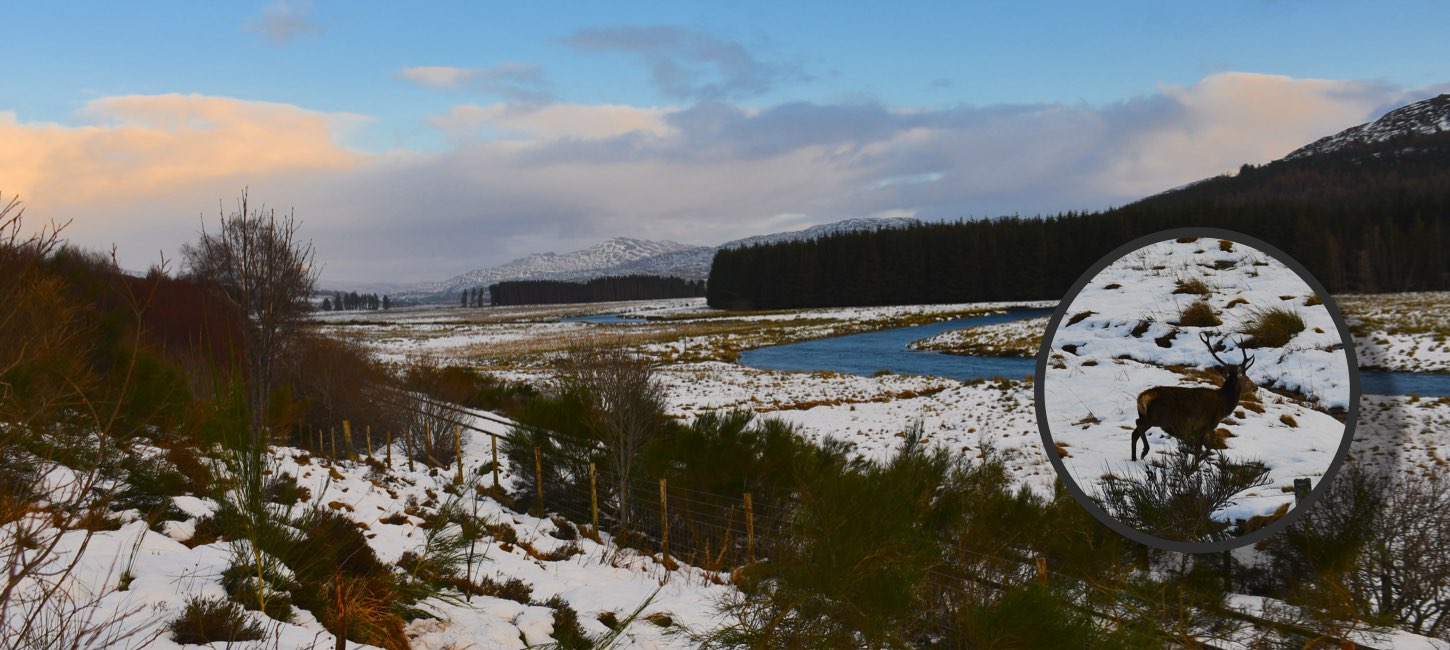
{"x":1126,"y":332}
{"x":1401,"y":331}
{"x":1402,"y":434}
{"x":391,"y":508}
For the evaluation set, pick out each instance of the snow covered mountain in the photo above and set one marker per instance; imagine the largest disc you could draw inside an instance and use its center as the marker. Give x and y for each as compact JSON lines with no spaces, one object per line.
{"x":824,"y":230}
{"x":1428,"y":117}
{"x":694,"y":263}
{"x":576,"y":265}
{"x":626,"y":256}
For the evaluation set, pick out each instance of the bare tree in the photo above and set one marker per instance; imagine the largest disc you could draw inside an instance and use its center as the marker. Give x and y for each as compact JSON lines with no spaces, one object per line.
{"x":267,"y":273}
{"x":626,"y":403}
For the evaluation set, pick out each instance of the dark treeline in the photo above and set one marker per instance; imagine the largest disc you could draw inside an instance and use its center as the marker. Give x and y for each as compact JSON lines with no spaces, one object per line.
{"x":1359,"y":223}
{"x":353,"y":301}
{"x":631,"y":287}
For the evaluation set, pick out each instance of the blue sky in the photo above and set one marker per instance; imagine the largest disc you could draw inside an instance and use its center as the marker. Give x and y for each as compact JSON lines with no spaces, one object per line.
{"x":420,"y":143}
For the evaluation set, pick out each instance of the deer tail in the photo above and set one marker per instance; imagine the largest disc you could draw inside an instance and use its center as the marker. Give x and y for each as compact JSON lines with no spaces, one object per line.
{"x":1144,"y":399}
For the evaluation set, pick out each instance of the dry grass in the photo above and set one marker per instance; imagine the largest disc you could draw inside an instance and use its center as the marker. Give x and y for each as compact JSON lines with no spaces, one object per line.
{"x":206,"y":621}
{"x":1192,"y":286}
{"x":1199,"y":314}
{"x":1272,"y":327}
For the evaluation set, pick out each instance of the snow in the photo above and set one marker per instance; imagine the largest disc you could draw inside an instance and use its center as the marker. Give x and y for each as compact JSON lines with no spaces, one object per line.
{"x":1098,"y":367}
{"x":1401,"y":434}
{"x":599,"y":578}
{"x":1425,"y":117}
{"x":1401,"y":331}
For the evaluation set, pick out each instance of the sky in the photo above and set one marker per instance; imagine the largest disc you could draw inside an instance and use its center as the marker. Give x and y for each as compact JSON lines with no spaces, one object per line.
{"x":415,"y":143}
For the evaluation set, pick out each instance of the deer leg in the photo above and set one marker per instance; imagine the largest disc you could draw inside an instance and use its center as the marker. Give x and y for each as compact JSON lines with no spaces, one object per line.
{"x":1140,"y":431}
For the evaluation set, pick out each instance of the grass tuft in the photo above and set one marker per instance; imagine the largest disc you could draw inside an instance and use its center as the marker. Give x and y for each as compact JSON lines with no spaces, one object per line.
{"x":1225,"y":245}
{"x":1199,"y":314}
{"x":214,"y":619}
{"x":1192,"y":286}
{"x":1079,"y":317}
{"x":1272,"y":327}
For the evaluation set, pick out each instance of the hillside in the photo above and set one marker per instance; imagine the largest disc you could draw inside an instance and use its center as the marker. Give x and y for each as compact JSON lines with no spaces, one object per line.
{"x":623,"y":256}
{"x":1364,"y":210}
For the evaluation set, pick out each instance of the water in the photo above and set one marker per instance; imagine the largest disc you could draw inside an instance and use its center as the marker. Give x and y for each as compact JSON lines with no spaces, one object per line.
{"x":604,"y":319}
{"x":871,"y":352}
{"x":1424,"y":384}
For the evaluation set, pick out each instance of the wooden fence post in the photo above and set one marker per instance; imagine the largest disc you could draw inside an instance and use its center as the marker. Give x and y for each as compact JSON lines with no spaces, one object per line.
{"x":593,"y":501}
{"x":332,"y":439}
{"x":749,"y":530}
{"x":369,"y":433}
{"x":428,"y":446}
{"x":1302,"y":487}
{"x":388,"y":447}
{"x":493,"y":442}
{"x":664,"y":527}
{"x":1042,"y":569}
{"x":347,"y":439}
{"x":408,"y":442}
{"x":458,"y":454}
{"x":539,"y":476}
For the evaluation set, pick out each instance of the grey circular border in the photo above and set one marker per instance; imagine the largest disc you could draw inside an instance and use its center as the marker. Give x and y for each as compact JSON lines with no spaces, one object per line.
{"x":1039,"y":390}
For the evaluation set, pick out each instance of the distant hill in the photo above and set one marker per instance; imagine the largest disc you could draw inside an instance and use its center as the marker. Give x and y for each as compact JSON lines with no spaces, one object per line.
{"x":623,"y":256}
{"x":1365,"y":210}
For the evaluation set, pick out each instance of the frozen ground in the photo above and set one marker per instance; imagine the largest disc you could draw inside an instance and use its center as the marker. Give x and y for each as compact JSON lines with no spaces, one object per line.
{"x":1122,"y":336}
{"x":1408,"y":332}
{"x":1019,"y":338}
{"x":1400,"y":331}
{"x":594,"y":578}
{"x":1406,"y":435}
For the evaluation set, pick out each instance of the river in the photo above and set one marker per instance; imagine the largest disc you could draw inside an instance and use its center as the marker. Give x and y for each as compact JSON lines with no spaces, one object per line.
{"x":869,"y":353}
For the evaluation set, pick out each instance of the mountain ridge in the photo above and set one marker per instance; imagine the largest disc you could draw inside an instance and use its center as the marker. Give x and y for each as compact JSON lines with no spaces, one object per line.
{"x":619,"y":256}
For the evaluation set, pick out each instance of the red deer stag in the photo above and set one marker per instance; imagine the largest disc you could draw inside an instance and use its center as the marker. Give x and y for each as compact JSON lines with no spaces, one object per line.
{"x":1189,"y":414}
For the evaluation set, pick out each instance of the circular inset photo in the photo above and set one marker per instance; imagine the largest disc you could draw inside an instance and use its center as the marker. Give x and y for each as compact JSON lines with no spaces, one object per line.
{"x":1196,"y":389}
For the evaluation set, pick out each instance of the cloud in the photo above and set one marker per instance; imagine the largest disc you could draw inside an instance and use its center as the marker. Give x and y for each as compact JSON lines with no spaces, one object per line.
{"x":523,"y":179}
{"x":551,"y":122}
{"x":689,"y":64}
{"x":138,"y":163}
{"x":284,"y":22}
{"x":516,"y":82}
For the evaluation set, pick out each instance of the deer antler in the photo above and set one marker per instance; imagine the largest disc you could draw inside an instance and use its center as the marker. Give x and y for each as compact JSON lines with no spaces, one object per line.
{"x":1208,"y":341}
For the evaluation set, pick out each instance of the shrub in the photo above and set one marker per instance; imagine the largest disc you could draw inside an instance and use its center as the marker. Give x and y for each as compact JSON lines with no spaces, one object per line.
{"x":1174,"y":498}
{"x":1225,"y":245}
{"x":567,"y":632}
{"x":214,"y":619}
{"x":1272,"y":327}
{"x":512,"y":589}
{"x":283,"y":489}
{"x":240,"y":582}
